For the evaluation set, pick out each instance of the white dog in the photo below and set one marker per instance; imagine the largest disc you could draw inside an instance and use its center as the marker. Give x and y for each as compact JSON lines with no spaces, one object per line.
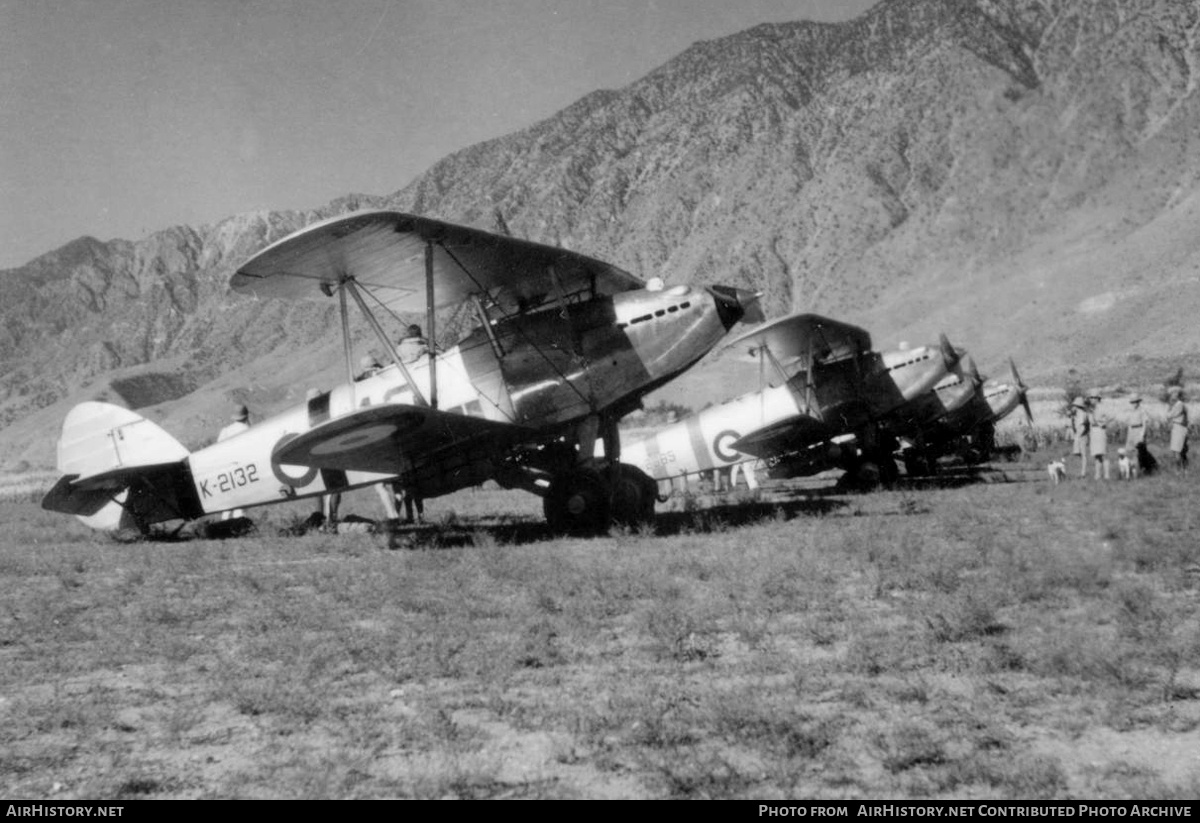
{"x":1126,"y":468}
{"x":1057,"y":470}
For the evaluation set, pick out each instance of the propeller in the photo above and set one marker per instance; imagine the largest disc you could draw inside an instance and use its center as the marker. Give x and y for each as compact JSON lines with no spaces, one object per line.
{"x":949,"y":353}
{"x":1022,"y":391}
{"x":970,"y":370}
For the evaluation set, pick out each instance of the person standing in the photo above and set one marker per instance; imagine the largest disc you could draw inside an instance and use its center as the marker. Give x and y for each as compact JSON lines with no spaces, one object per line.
{"x":1080,"y":420}
{"x":1177,"y":418}
{"x":1135,"y":436}
{"x":411,"y":348}
{"x":1098,"y":436}
{"x":241,"y":422}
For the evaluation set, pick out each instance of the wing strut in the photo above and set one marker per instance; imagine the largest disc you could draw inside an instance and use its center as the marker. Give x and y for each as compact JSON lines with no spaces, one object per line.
{"x":806,"y":398}
{"x":430,"y":325}
{"x":486,"y":322}
{"x":346,"y":347}
{"x":349,"y":285}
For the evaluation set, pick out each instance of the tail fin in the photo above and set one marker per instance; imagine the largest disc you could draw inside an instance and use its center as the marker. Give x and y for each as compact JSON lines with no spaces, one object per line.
{"x":120,"y":470}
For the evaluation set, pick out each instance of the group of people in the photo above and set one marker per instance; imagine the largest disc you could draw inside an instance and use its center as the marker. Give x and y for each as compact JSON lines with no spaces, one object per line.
{"x":1089,"y":431}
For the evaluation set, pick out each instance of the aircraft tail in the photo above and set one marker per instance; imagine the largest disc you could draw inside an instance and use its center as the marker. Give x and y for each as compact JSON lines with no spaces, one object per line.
{"x":120,"y":470}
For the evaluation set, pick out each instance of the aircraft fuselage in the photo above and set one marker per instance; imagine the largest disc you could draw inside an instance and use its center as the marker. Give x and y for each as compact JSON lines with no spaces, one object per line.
{"x":840,"y":399}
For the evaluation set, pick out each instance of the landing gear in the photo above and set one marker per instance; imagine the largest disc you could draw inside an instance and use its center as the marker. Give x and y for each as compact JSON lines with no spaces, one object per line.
{"x":634,"y":494}
{"x":867,"y":475}
{"x":870,"y":472}
{"x":873,"y":464}
{"x":981,"y":446}
{"x":919,"y":464}
{"x":586,"y":500}
{"x":578,"y":502}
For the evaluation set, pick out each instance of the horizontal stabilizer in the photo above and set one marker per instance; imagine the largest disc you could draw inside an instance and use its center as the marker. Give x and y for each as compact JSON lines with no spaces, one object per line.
{"x":68,"y":498}
{"x":122,"y":477}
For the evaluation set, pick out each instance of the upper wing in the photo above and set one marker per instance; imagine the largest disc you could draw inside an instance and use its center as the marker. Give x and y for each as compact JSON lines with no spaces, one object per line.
{"x":400,"y":440}
{"x":385,"y":252}
{"x":807,"y":336}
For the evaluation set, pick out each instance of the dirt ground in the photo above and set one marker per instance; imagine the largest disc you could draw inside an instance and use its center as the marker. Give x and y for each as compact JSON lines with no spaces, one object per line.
{"x":992,"y":637}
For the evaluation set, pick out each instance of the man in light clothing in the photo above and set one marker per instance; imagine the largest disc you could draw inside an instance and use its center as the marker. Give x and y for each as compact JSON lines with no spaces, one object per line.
{"x":1080,"y":420}
{"x":1098,"y":435}
{"x":1177,"y":417}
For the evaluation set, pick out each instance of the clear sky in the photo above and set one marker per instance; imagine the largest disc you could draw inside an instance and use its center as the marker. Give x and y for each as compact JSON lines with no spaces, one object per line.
{"x":122,"y":117}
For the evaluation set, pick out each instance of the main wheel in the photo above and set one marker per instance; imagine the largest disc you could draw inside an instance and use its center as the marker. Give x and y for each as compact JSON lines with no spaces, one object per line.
{"x":867,"y":475}
{"x":577,"y":502}
{"x":634,"y":494}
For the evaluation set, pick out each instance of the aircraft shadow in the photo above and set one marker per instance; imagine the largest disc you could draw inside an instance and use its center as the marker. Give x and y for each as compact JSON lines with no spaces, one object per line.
{"x":949,"y":478}
{"x":722,"y":516}
{"x":716,"y":518}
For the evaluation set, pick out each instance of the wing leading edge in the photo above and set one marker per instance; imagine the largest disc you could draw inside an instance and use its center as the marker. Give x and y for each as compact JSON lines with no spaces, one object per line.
{"x":385,"y":251}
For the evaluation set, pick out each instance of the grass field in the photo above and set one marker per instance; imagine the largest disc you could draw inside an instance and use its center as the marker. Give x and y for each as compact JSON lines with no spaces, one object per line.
{"x":968,"y":640}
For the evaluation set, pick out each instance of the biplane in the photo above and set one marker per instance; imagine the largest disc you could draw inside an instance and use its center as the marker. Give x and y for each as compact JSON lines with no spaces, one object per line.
{"x":563,"y":346}
{"x":830,"y":402}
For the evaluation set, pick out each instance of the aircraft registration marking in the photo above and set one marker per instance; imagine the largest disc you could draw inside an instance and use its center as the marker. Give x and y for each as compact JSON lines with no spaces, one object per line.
{"x":228,"y":481}
{"x":659,"y":461}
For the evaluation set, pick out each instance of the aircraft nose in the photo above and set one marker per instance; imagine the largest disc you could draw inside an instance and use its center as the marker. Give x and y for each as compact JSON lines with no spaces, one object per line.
{"x":736,"y":304}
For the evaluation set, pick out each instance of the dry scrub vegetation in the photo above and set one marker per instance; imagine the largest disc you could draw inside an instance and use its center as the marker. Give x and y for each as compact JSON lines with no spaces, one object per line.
{"x":994,"y":640}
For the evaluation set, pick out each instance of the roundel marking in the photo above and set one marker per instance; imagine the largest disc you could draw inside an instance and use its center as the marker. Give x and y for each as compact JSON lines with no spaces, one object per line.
{"x":282,"y":476}
{"x":353,"y":440}
{"x":719,"y":446}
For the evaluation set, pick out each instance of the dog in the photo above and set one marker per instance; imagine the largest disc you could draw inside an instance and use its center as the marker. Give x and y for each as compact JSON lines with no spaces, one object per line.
{"x":1126,"y":468}
{"x":1057,"y":470}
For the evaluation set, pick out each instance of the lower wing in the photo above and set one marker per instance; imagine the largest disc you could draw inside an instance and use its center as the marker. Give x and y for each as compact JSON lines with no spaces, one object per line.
{"x":409,"y":441}
{"x":791,"y":434}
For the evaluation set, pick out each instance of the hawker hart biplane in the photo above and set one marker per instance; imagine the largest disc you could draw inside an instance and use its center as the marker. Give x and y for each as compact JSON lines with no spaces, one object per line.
{"x":565,"y":345}
{"x":830,"y":404}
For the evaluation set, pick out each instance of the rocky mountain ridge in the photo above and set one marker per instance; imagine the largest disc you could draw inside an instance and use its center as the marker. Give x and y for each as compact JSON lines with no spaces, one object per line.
{"x":1020,"y":174}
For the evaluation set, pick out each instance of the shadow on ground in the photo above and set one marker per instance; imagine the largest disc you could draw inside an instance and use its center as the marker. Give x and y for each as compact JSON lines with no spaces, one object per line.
{"x":699,"y":512}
